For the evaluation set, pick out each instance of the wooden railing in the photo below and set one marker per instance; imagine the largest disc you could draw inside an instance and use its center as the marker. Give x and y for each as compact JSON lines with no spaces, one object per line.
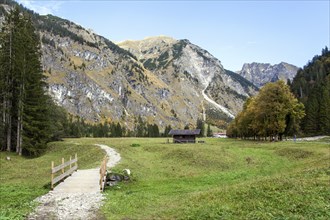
{"x":103,"y":173}
{"x":61,"y":168}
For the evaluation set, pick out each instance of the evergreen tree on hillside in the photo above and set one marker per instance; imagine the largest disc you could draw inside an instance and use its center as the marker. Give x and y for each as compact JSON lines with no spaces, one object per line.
{"x":167,"y":129}
{"x":200,"y":125}
{"x":325,"y":106}
{"x":140,"y":127}
{"x":312,"y":87}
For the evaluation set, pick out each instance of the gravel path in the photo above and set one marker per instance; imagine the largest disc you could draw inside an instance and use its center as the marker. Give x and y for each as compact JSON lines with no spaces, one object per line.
{"x":311,"y":138}
{"x":308,"y":138}
{"x":78,"y":197}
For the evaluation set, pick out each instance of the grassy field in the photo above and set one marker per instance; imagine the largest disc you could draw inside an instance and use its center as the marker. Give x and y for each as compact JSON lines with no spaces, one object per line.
{"x":220,"y":179}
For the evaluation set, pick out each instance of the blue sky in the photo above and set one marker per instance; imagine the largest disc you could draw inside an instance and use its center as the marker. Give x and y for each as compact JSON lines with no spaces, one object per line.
{"x":235,"y":32}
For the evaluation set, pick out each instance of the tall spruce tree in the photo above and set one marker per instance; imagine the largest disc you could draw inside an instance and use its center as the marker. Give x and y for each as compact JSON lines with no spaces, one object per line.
{"x":200,"y":125}
{"x":167,"y":129}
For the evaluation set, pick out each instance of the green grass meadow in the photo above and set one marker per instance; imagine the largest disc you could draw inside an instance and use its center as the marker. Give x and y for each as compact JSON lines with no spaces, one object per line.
{"x":218,"y":179}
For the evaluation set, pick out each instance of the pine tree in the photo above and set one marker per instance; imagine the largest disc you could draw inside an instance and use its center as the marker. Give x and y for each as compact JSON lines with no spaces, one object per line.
{"x":311,"y":121}
{"x":167,"y":129}
{"x":140,"y":127}
{"x":324,"y":114}
{"x":35,"y":115}
{"x":58,"y":126}
{"x":119,"y":131}
{"x":200,"y":125}
{"x":156,"y":131}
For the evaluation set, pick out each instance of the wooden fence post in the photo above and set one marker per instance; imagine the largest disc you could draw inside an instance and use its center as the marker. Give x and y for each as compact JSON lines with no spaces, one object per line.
{"x":63,"y":167}
{"x":103,"y":171}
{"x":76,"y":164}
{"x":52,"y":175}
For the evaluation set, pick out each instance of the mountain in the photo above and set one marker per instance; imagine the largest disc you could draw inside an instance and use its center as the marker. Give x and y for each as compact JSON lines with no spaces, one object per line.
{"x":163,"y":80}
{"x":192,"y":70}
{"x":261,"y":73}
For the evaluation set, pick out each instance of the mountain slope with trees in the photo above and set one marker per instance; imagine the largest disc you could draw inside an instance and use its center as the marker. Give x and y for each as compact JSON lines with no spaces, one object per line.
{"x":312,"y":87}
{"x":165,"y":83}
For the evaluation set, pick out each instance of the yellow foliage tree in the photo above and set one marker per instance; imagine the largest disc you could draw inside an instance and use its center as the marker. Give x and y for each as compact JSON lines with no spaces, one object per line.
{"x":274,"y":112}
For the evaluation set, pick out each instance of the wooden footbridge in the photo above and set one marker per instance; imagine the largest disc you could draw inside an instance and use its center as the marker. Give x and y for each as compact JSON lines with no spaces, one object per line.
{"x":73,"y":180}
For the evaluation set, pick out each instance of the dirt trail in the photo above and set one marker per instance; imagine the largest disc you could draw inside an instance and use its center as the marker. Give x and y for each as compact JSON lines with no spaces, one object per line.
{"x":78,"y":197}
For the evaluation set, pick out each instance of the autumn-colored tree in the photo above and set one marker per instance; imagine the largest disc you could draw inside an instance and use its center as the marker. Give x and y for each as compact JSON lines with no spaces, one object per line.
{"x":274,"y":112}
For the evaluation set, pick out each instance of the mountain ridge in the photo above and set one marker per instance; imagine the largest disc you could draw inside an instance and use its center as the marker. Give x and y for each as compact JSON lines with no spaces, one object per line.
{"x":165,"y":83}
{"x":261,"y":73}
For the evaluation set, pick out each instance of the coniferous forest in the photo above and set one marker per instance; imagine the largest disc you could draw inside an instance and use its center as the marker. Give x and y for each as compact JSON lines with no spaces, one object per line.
{"x":312,"y":87}
{"x":25,"y":105}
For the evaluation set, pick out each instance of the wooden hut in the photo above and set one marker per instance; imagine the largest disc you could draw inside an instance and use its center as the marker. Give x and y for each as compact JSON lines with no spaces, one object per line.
{"x":184,"y":136}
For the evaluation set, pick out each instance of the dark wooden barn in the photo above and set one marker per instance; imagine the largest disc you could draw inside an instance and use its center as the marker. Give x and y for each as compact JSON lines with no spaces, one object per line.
{"x":184,"y":136}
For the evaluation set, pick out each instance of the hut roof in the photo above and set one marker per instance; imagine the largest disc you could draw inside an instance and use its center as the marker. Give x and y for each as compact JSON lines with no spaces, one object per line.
{"x":185,"y":132}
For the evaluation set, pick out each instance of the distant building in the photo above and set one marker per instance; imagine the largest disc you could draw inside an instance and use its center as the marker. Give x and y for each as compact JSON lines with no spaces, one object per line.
{"x":184,"y":136}
{"x":220,"y":135}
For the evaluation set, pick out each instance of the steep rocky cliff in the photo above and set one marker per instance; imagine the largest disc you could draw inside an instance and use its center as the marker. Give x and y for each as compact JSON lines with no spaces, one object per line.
{"x":193,"y":72}
{"x":261,"y":73}
{"x":163,"y":80}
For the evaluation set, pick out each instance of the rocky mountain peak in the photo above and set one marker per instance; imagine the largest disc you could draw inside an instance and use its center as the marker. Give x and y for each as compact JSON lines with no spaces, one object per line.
{"x":262,"y":73}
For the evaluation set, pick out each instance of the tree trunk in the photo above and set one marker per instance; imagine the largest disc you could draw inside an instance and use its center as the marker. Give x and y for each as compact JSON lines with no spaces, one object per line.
{"x":18,"y":132}
{"x":3,"y":144}
{"x":20,"y":110}
{"x":9,"y":96}
{"x":9,"y":126}
{"x":19,"y":129}
{"x":21,"y":138}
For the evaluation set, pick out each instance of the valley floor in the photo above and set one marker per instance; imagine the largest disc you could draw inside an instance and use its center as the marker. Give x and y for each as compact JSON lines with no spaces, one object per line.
{"x":218,"y":179}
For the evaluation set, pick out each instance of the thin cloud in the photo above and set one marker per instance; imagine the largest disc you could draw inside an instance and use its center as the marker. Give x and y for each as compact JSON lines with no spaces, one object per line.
{"x":251,"y":42}
{"x":42,"y":7}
